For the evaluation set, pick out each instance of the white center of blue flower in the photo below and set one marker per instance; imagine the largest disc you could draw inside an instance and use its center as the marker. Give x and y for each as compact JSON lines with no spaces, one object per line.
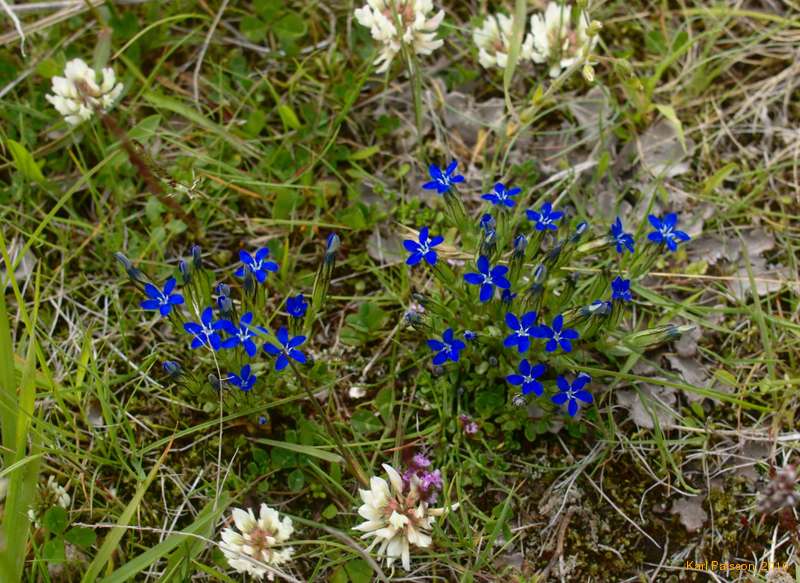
{"x":665,"y":231}
{"x":557,"y":336}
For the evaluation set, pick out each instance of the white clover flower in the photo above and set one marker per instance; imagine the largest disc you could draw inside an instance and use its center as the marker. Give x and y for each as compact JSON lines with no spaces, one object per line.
{"x":50,"y":495}
{"x":259,"y":544}
{"x":77,"y":94}
{"x":493,"y":39}
{"x":396,"y":519}
{"x":556,"y":40}
{"x":398,"y":22}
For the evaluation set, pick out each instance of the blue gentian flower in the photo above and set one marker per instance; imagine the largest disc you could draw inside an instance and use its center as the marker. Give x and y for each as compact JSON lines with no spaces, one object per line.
{"x":442,"y":180}
{"x":161,"y":300}
{"x":242,"y":335}
{"x":571,"y":394}
{"x":422,"y":249}
{"x":521,"y":331}
{"x":258,"y":265}
{"x":469,"y":335}
{"x":262,"y":420}
{"x":244,"y":380}
{"x":205,"y":333}
{"x":488,"y":278}
{"x":665,"y":231}
{"x":622,"y":239}
{"x":545,"y":218}
{"x":527,"y":378}
{"x":621,"y":289}
{"x":449,"y":347}
{"x":558,"y":335}
{"x":296,"y":306}
{"x":287,"y":350}
{"x":501,"y":195}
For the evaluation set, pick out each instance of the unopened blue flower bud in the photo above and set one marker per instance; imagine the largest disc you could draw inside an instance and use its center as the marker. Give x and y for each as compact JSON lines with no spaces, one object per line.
{"x":488,"y":223}
{"x":469,"y":335}
{"x":262,"y":420}
{"x":520,"y":244}
{"x":197,"y":257}
{"x":186,"y":275}
{"x":132,"y":271}
{"x":223,"y":289}
{"x":172,"y":368}
{"x":331,"y":247}
{"x":225,"y":306}
{"x":215,"y":382}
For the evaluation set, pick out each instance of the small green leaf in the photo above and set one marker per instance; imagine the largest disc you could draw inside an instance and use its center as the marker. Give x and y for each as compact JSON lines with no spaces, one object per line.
{"x":81,"y":536}
{"x":288,"y":117}
{"x":330,"y":511}
{"x":55,"y":520}
{"x":146,"y":128}
{"x":292,"y":25}
{"x":24,"y":162}
{"x":365,"y":422}
{"x":296,"y":480}
{"x":53,"y":551}
{"x":359,"y":571}
{"x":365,"y":153}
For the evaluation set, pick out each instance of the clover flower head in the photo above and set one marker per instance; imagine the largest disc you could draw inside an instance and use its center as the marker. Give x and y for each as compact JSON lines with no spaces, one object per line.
{"x":665,"y":231}
{"x":206,"y":332}
{"x":423,"y":248}
{"x":243,"y":335}
{"x":557,"y":335}
{"x":620,"y":238}
{"x":501,"y":195}
{"x":493,"y":39}
{"x":397,"y":517}
{"x":521,"y":331}
{"x":557,"y":41}
{"x":488,"y":278}
{"x":526,"y":378}
{"x":244,"y":380}
{"x":468,"y":424}
{"x":79,"y":92}
{"x":51,"y":494}
{"x":448,"y":348}
{"x":572,"y":393}
{"x":545,"y":218}
{"x":621,"y":289}
{"x":395,"y":23}
{"x":257,"y":264}
{"x":443,"y":179}
{"x":288,"y":349}
{"x":296,"y":306}
{"x":161,"y":300}
{"x":257,"y":545}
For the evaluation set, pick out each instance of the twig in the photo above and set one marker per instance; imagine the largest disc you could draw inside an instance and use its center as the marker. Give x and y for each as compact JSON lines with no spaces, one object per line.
{"x":17,"y":25}
{"x":202,"y":55}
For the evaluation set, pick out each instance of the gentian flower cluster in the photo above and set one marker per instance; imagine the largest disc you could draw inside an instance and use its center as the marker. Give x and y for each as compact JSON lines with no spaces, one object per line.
{"x":542,"y":326}
{"x":225,"y":323}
